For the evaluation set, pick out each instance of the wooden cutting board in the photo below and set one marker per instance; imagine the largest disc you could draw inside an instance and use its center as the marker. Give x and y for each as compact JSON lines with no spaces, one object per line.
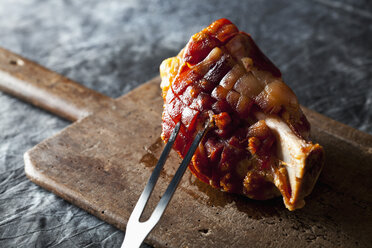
{"x":102,"y":162}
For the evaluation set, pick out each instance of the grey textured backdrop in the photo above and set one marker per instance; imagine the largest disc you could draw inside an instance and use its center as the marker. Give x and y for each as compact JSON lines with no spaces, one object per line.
{"x":323,"y":47}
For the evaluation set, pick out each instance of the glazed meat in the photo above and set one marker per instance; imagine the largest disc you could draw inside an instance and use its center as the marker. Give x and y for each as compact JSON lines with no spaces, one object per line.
{"x":258,"y":141}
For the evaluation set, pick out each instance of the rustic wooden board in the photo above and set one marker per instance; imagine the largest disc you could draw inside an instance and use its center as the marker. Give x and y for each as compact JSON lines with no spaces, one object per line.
{"x":102,"y":162}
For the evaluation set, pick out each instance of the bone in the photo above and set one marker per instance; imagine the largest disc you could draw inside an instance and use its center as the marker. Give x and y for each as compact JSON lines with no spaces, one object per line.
{"x":302,"y":160}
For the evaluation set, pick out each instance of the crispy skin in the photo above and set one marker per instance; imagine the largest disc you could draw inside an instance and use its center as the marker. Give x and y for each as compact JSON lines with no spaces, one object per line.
{"x":222,"y":76}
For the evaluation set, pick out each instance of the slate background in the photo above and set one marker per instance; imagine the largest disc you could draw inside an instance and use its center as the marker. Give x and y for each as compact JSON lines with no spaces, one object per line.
{"x":323,"y":47}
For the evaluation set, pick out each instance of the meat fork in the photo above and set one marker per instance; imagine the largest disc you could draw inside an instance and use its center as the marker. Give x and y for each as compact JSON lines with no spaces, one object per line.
{"x":137,"y":231}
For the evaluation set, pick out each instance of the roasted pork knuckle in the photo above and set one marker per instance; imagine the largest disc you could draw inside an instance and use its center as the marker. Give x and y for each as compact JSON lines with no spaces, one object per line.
{"x":258,"y":143}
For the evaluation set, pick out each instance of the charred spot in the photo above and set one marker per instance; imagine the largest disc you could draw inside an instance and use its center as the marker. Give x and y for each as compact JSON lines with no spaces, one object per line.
{"x":218,"y":71}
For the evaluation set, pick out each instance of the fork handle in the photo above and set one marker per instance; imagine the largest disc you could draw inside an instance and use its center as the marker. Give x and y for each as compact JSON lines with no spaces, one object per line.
{"x":134,"y":238}
{"x":46,"y":89}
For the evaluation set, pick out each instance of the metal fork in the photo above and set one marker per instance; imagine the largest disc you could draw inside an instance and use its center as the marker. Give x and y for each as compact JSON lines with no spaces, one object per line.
{"x":137,"y":231}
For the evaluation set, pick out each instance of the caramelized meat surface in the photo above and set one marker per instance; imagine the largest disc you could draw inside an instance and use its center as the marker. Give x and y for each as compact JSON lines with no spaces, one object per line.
{"x":258,"y":144}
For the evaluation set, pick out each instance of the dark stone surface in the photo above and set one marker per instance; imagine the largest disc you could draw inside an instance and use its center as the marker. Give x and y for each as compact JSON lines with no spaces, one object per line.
{"x":323,"y":47}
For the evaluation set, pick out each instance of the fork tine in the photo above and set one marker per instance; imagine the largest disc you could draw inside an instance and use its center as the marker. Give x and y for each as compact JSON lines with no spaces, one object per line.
{"x":137,"y":231}
{"x":167,"y":196}
{"x":142,"y":201}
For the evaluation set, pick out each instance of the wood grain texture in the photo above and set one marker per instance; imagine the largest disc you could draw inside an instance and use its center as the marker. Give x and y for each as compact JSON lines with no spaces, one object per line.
{"x":102,"y":162}
{"x":46,"y":89}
